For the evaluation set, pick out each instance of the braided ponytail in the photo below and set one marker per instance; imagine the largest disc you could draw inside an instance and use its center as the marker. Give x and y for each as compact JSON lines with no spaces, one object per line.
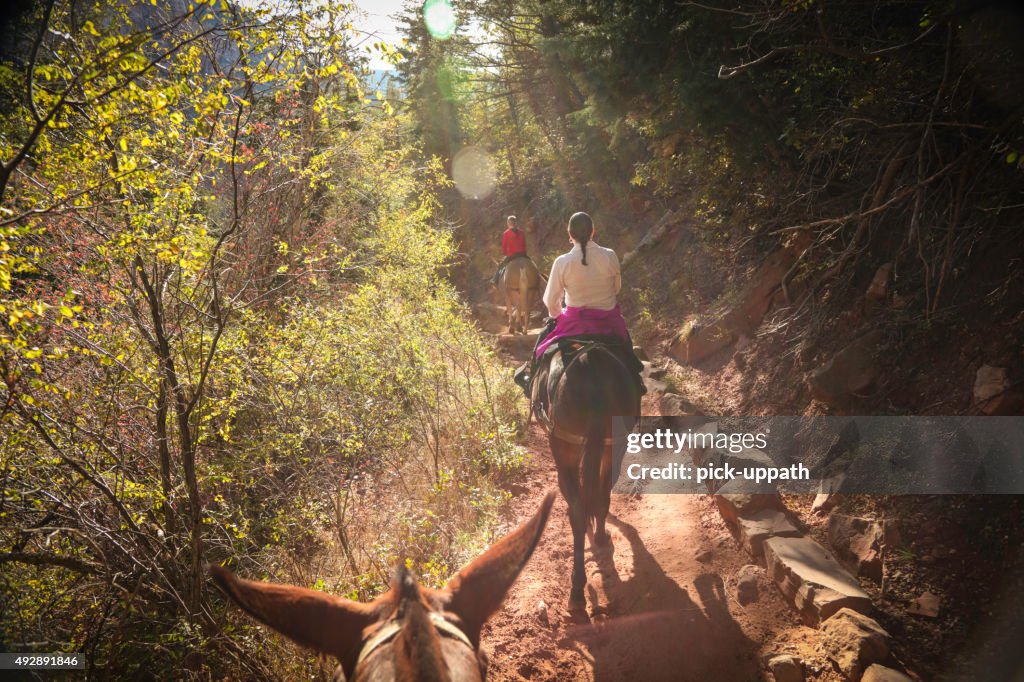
{"x":581,"y":226}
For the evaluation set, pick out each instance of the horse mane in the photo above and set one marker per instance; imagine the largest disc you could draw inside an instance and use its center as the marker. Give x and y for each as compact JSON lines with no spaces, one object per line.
{"x":417,"y":646}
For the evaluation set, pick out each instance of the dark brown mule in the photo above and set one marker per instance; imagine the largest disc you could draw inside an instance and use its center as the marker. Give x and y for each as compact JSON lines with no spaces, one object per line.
{"x":520,"y":287}
{"x":408,"y":633}
{"x":581,"y":397}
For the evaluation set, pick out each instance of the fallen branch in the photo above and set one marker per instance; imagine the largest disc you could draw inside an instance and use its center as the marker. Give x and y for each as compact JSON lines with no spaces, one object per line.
{"x":860,"y":215}
{"x":653,"y":235}
{"x":35,"y":559}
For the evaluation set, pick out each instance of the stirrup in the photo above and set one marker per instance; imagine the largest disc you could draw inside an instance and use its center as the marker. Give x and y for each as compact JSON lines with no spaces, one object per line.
{"x":523,"y":377}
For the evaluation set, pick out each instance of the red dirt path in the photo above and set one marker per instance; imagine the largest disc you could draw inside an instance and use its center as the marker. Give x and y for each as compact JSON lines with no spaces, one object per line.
{"x":661,"y":599}
{"x":655,"y":611}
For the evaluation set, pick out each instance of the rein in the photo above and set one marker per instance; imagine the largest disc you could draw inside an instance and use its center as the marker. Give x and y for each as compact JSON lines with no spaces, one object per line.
{"x":390,"y":630}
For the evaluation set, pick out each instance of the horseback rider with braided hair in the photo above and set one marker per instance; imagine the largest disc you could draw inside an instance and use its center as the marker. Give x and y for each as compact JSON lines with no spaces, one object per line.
{"x":588,"y":278}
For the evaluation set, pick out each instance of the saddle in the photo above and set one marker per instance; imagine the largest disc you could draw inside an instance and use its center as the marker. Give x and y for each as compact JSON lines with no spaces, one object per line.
{"x":512,"y":260}
{"x":544,"y":374}
{"x":496,"y":277}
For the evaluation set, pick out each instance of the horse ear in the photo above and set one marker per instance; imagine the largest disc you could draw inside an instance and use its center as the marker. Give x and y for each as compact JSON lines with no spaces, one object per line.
{"x":323,"y":622}
{"x":478,"y":589}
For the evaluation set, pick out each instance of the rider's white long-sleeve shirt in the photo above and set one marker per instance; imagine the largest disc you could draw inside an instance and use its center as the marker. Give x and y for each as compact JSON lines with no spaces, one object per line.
{"x":593,"y":285}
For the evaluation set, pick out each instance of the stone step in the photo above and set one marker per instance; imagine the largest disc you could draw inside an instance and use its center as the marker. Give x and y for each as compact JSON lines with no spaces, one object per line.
{"x":732,"y":505}
{"x":748,"y":458}
{"x":854,"y":642}
{"x":812,"y":578}
{"x":754,"y":530}
{"x":517,"y":343}
{"x":858,"y":543}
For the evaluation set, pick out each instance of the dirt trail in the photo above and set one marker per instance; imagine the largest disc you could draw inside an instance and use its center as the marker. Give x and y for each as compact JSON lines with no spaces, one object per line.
{"x":660,"y":600}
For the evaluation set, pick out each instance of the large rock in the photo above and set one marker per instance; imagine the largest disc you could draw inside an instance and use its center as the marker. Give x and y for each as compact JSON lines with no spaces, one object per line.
{"x":786,"y":668}
{"x":879,"y":673}
{"x":820,"y":443}
{"x":654,"y":372}
{"x":854,"y":642}
{"x":754,"y":530}
{"x":653,"y":378}
{"x":700,"y":454}
{"x":828,"y":494}
{"x":852,"y":371}
{"x":989,"y":382}
{"x":756,"y":297}
{"x":740,"y":485}
{"x":879,"y":287}
{"x":747,"y":458}
{"x":927,"y":604}
{"x":812,"y":578}
{"x":994,"y":394}
{"x":858,"y":543}
{"x":654,"y":386}
{"x":746,"y":583}
{"x":673,"y":404}
{"x":878,"y":290}
{"x":697,"y":342}
{"x":732,"y":505}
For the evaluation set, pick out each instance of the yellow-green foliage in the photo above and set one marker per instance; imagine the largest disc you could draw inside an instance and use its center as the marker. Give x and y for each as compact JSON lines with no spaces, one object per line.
{"x":226,"y":335}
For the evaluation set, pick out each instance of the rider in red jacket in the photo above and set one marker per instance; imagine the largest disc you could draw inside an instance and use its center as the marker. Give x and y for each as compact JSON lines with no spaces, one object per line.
{"x":513,"y":244}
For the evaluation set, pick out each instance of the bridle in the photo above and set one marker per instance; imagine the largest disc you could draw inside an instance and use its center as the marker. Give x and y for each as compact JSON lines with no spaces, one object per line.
{"x":390,"y":630}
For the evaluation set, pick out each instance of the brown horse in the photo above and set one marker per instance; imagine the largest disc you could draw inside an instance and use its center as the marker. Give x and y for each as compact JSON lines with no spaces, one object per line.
{"x":520,"y":286}
{"x":582,"y":395}
{"x":408,"y":633}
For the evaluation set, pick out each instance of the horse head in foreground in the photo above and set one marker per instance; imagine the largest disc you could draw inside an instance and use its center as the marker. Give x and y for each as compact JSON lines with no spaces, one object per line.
{"x":408,"y":633}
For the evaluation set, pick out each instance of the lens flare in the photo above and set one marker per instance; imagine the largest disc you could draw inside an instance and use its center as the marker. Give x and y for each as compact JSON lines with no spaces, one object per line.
{"x":474,"y":173}
{"x":439,"y":16}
